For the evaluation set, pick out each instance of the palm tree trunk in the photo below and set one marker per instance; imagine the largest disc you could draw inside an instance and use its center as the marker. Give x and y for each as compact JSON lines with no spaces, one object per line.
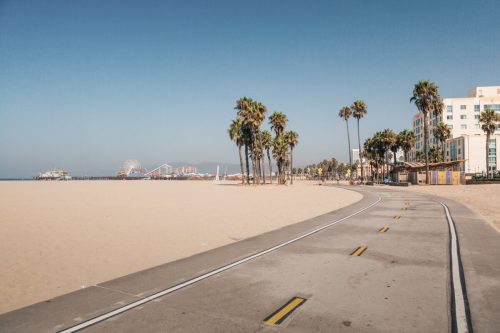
{"x":252,"y":153}
{"x":247,"y":164}
{"x":487,"y":153}
{"x":406,"y":156}
{"x":278,"y":178}
{"x":263,"y":160}
{"x":241,"y":166}
{"x":349,"y":143}
{"x":386,"y":171}
{"x":254,"y":175}
{"x":426,"y":148}
{"x":291,"y":166}
{"x":270,"y":166}
{"x":360,"y":156}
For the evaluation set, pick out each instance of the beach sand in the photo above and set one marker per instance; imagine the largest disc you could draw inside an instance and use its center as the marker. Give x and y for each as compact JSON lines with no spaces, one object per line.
{"x":483,"y":199}
{"x":57,"y":237}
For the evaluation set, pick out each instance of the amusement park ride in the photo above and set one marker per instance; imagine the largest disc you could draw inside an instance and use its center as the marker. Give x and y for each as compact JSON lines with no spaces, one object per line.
{"x":133,"y":169}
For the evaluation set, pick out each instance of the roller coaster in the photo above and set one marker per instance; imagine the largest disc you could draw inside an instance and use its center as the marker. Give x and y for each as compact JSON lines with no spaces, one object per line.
{"x":163,"y":171}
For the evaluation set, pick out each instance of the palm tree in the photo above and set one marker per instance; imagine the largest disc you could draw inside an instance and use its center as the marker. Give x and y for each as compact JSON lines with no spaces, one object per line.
{"x":243,"y":105}
{"x":388,"y":140}
{"x":235,"y":132}
{"x":267,"y":142}
{"x":394,"y":150}
{"x":253,"y":114}
{"x":280,"y":150}
{"x":369,"y":153}
{"x":406,"y":140}
{"x":278,"y":122}
{"x":345,"y":113}
{"x":419,"y":157}
{"x":292,"y":139}
{"x":434,"y":154}
{"x":426,"y":98}
{"x":488,"y":120}
{"x":442,"y":132}
{"x":359,"y":110}
{"x":378,"y":148}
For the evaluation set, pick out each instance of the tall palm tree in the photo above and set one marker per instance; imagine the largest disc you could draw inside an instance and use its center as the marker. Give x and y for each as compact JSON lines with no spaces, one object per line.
{"x":261,"y":110}
{"x":280,"y":150}
{"x":253,"y":114}
{"x":387,"y":139}
{"x":406,"y":140}
{"x":235,"y":132}
{"x":243,"y":105}
{"x":369,"y":153}
{"x":378,"y":147}
{"x":442,"y":132}
{"x":488,"y":120}
{"x":267,"y":142}
{"x":292,"y":139}
{"x":394,"y":149}
{"x":426,"y":98}
{"x":278,"y":122}
{"x":345,"y":113}
{"x":359,"y":110}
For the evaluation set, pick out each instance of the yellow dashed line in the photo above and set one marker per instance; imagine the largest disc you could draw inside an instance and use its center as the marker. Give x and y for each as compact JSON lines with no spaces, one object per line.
{"x":277,"y":317}
{"x":359,"y":251}
{"x":383,"y":229}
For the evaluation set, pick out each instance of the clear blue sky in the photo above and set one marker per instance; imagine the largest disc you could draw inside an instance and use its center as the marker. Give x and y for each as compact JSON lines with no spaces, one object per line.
{"x":86,"y":84}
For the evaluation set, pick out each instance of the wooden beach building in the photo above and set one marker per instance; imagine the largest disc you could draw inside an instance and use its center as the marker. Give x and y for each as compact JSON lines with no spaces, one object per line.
{"x":441,"y":173}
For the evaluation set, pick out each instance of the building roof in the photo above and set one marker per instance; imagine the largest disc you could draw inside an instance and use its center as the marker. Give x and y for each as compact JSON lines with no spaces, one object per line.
{"x":420,"y":165}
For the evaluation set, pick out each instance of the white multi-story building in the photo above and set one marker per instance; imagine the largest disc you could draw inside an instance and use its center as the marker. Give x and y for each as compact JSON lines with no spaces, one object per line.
{"x":467,"y":141}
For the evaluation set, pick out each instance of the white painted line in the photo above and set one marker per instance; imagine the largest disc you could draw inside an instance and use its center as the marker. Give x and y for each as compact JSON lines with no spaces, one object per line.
{"x":122,"y":309}
{"x":458,"y":292}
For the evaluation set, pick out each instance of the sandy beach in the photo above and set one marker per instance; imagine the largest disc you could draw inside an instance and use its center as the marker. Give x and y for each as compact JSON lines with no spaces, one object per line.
{"x":57,"y":237}
{"x":483,"y":199}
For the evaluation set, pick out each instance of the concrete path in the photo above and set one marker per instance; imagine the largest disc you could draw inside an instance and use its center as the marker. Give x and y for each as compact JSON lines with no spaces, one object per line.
{"x":398,"y":280}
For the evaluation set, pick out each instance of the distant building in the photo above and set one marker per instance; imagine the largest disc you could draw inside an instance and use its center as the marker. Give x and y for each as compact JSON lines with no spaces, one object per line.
{"x":355,"y":156}
{"x":467,"y":141}
{"x":54,"y":175}
{"x":472,"y":149}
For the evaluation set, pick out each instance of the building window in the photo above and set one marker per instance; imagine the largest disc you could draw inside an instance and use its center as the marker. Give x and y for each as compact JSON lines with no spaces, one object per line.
{"x":463,"y":107}
{"x":463,"y":126}
{"x":477,"y":126}
{"x":495,"y":107}
{"x":476,"y":108}
{"x":492,"y":154}
{"x":463,"y":116}
{"x":449,"y":108}
{"x":476,"y":116}
{"x":450,"y":126}
{"x":449,"y":117}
